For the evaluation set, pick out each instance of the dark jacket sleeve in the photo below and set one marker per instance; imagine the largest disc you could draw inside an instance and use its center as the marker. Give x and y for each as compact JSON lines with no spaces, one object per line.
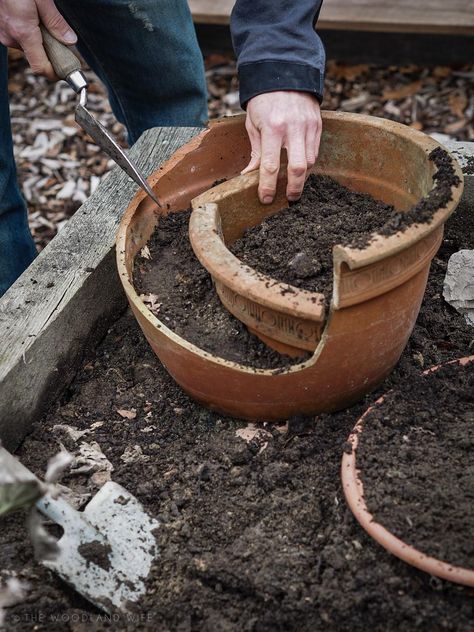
{"x":277,"y":47}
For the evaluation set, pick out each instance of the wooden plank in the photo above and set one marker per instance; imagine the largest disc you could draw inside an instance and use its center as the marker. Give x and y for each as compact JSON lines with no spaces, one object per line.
{"x":69,"y":293}
{"x":406,"y":16}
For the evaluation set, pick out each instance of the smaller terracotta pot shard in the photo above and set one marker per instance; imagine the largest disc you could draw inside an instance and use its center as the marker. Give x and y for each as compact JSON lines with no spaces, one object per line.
{"x":354,"y":493}
{"x":286,"y":317}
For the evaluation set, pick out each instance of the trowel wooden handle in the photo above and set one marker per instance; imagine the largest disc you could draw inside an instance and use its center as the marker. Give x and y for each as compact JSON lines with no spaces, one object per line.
{"x":62,"y":59}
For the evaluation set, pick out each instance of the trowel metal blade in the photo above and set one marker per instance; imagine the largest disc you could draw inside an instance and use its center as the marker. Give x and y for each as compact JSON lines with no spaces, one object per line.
{"x":105,"y":141}
{"x":107,"y":550}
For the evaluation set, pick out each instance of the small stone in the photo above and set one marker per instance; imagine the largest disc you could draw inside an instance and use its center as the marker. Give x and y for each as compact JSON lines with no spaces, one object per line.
{"x":458,"y":289}
{"x":204,"y":472}
{"x":303,"y":266}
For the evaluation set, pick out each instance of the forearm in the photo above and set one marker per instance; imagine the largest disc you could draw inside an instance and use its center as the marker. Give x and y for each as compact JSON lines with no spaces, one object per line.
{"x":277,"y":47}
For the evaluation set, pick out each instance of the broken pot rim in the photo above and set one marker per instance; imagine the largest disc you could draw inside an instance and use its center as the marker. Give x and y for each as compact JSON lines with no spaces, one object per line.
{"x":138,"y":304}
{"x":354,"y":494}
{"x":224,"y":266}
{"x":214,"y":255}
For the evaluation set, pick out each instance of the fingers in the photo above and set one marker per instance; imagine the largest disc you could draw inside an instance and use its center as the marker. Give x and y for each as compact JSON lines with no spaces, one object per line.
{"x":297,"y":164}
{"x":311,"y":146}
{"x":55,"y":23}
{"x":254,"y":137}
{"x":32,"y":45}
{"x":272,"y":142}
{"x":283,"y":119}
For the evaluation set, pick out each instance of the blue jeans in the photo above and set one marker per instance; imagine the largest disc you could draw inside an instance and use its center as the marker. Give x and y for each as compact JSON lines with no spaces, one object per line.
{"x":147,"y":55}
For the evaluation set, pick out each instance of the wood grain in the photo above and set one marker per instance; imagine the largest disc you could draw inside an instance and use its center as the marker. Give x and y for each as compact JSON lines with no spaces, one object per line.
{"x":406,"y":16}
{"x":68,"y":295}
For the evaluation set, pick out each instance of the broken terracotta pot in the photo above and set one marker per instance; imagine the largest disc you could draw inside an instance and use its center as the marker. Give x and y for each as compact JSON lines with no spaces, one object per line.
{"x":375,"y":156}
{"x":377,"y":295}
{"x":354,"y":493}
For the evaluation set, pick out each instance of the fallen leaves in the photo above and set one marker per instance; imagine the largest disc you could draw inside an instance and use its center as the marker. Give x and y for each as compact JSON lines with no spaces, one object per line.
{"x":133,"y":454}
{"x":407,"y":90}
{"x":58,"y":165}
{"x":90,"y":459}
{"x":345,"y":71}
{"x":127,"y":414}
{"x":458,"y":102}
{"x":151,"y":301}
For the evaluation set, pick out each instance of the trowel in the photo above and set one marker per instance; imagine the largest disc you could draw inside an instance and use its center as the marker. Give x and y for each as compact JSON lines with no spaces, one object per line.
{"x":68,"y":67}
{"x":107,"y":550}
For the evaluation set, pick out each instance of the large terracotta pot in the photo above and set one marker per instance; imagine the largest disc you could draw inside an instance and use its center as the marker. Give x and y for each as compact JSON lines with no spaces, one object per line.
{"x":378,"y":291}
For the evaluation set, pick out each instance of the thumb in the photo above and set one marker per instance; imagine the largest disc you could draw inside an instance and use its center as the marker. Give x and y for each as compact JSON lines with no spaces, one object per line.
{"x":256,"y":151}
{"x":55,"y":23}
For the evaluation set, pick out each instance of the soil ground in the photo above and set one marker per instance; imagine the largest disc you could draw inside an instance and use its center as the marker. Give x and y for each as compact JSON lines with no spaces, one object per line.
{"x":254,"y":536}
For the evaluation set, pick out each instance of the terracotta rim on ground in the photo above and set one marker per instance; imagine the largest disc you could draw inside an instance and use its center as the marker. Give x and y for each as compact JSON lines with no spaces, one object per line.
{"x":354,"y":493}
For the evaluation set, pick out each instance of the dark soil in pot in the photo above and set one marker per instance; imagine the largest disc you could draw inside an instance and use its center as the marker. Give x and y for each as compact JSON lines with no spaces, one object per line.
{"x":295,"y":245}
{"x":415,"y":457}
{"x":251,"y":539}
{"x":189,"y":304}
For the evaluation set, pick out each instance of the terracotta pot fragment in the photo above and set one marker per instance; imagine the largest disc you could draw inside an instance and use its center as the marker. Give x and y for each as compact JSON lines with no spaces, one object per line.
{"x":354,"y":493}
{"x":372,"y":312}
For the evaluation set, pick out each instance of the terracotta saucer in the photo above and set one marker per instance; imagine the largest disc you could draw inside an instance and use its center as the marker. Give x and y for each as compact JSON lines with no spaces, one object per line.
{"x":354,"y":493}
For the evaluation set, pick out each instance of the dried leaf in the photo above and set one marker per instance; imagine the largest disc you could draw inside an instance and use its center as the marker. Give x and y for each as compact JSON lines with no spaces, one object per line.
{"x":252,"y":432}
{"x":133,"y":454}
{"x":127,"y":414}
{"x":151,"y":300}
{"x":145,"y":252}
{"x":458,"y":103}
{"x":12,"y":593}
{"x":442,"y":71}
{"x":455,"y":127}
{"x":342,"y":71}
{"x":72,"y":432}
{"x":90,"y":458}
{"x":402,"y":92}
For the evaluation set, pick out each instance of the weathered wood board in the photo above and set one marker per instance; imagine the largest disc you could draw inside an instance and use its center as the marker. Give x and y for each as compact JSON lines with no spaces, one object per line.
{"x":406,"y":16}
{"x":69,"y":292}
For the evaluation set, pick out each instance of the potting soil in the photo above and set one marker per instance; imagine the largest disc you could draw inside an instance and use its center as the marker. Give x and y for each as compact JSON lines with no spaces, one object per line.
{"x":295,"y":245}
{"x":416,"y":462}
{"x":254,"y":536}
{"x":188,"y":303}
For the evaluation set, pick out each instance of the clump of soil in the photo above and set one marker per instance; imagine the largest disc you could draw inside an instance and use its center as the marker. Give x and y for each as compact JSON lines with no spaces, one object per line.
{"x":415,"y":461}
{"x":295,"y":245}
{"x":96,"y":553}
{"x":189,"y":304}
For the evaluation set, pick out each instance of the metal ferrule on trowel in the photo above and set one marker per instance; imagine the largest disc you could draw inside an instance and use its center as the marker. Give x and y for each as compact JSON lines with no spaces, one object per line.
{"x":68,"y":67}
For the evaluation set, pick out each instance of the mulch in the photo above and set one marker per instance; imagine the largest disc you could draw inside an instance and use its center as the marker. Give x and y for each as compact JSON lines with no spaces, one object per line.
{"x":59,"y":166}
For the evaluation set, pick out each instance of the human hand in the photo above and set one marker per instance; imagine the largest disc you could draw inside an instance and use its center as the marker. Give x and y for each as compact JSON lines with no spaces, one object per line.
{"x":283,"y":119}
{"x":19,"y":28}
